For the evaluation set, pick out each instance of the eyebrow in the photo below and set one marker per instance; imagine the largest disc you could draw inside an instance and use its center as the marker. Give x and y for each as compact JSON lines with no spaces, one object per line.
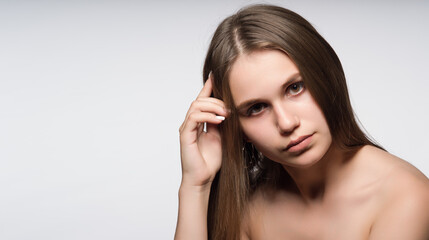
{"x":250,"y":102}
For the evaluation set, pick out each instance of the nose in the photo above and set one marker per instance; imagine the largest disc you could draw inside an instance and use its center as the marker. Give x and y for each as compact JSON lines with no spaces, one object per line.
{"x":286,"y":119}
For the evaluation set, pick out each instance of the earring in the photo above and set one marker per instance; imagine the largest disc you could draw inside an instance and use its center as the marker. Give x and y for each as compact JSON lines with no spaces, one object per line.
{"x":253,"y":160}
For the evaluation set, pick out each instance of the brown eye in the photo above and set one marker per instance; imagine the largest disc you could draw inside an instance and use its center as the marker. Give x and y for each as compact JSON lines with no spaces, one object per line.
{"x":295,"y":88}
{"x":255,"y":109}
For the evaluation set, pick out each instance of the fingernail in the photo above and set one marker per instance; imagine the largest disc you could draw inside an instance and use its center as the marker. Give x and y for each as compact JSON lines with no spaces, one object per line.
{"x":220,"y":117}
{"x":210,"y":74}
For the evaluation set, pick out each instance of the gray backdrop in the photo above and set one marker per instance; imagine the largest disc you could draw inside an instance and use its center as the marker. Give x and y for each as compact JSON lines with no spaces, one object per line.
{"x":92,"y":95}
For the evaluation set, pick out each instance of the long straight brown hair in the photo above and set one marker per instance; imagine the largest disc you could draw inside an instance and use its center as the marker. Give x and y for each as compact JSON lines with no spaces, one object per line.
{"x":270,"y":27}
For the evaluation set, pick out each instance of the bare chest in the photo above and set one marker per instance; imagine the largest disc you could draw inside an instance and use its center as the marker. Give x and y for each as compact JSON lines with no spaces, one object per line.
{"x":292,"y":220}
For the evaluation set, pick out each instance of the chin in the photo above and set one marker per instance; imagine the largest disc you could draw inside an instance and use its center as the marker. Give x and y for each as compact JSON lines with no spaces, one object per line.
{"x":305,"y":159}
{"x":301,"y":164}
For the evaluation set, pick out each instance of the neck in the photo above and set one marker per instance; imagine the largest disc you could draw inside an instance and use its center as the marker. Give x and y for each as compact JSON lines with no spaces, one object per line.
{"x":315,"y":182}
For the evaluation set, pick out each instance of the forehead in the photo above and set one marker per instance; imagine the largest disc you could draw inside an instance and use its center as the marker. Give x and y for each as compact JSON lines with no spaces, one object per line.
{"x":259,"y":73}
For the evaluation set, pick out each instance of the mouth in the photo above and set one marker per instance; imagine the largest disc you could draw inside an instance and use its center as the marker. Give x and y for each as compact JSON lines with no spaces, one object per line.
{"x":298,"y":144}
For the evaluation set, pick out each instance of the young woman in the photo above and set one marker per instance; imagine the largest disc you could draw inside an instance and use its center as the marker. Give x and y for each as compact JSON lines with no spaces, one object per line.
{"x":282,"y":156}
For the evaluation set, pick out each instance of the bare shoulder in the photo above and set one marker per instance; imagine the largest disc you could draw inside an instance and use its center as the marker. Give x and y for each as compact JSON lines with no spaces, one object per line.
{"x":398,"y":175}
{"x":403,"y":197}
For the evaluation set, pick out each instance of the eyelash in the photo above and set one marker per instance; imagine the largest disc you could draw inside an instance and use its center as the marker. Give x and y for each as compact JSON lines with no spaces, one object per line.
{"x":299,"y":85}
{"x":250,"y":112}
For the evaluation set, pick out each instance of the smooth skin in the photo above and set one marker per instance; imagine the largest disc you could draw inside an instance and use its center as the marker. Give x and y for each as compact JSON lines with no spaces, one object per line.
{"x":364,"y":194}
{"x":201,"y":156}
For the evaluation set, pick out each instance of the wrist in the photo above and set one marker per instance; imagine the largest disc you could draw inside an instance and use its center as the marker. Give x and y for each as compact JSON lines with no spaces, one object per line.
{"x":189,"y":188}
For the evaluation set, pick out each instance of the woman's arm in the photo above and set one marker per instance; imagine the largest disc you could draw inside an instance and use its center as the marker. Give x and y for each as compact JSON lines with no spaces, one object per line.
{"x":192,"y":219}
{"x":201,"y":157}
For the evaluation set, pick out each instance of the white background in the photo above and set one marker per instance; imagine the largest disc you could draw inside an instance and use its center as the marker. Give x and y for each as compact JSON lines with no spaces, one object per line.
{"x":92,"y":96}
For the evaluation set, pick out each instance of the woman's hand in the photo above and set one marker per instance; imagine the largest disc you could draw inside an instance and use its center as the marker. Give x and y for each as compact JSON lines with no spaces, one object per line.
{"x":201,"y":152}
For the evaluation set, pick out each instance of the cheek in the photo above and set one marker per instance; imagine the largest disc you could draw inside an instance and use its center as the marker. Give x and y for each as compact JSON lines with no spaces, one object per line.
{"x":255,"y":130}
{"x":320,"y":118}
{"x":319,"y":123}
{"x":311,"y":111}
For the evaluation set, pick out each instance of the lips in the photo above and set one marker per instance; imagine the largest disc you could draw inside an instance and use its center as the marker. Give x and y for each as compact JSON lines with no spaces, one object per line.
{"x":297,"y":141}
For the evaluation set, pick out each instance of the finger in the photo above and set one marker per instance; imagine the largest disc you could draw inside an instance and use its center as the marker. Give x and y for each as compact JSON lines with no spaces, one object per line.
{"x":197,"y":118}
{"x":214,"y":105}
{"x":212,"y":100}
{"x":207,"y":106}
{"x":207,"y":88}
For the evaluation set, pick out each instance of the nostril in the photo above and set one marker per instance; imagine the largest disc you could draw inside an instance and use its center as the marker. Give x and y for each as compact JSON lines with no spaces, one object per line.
{"x":287,"y":125}
{"x":287,"y":121}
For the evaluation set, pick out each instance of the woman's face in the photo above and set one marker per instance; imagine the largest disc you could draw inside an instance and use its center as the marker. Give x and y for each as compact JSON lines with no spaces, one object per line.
{"x":277,"y":113}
